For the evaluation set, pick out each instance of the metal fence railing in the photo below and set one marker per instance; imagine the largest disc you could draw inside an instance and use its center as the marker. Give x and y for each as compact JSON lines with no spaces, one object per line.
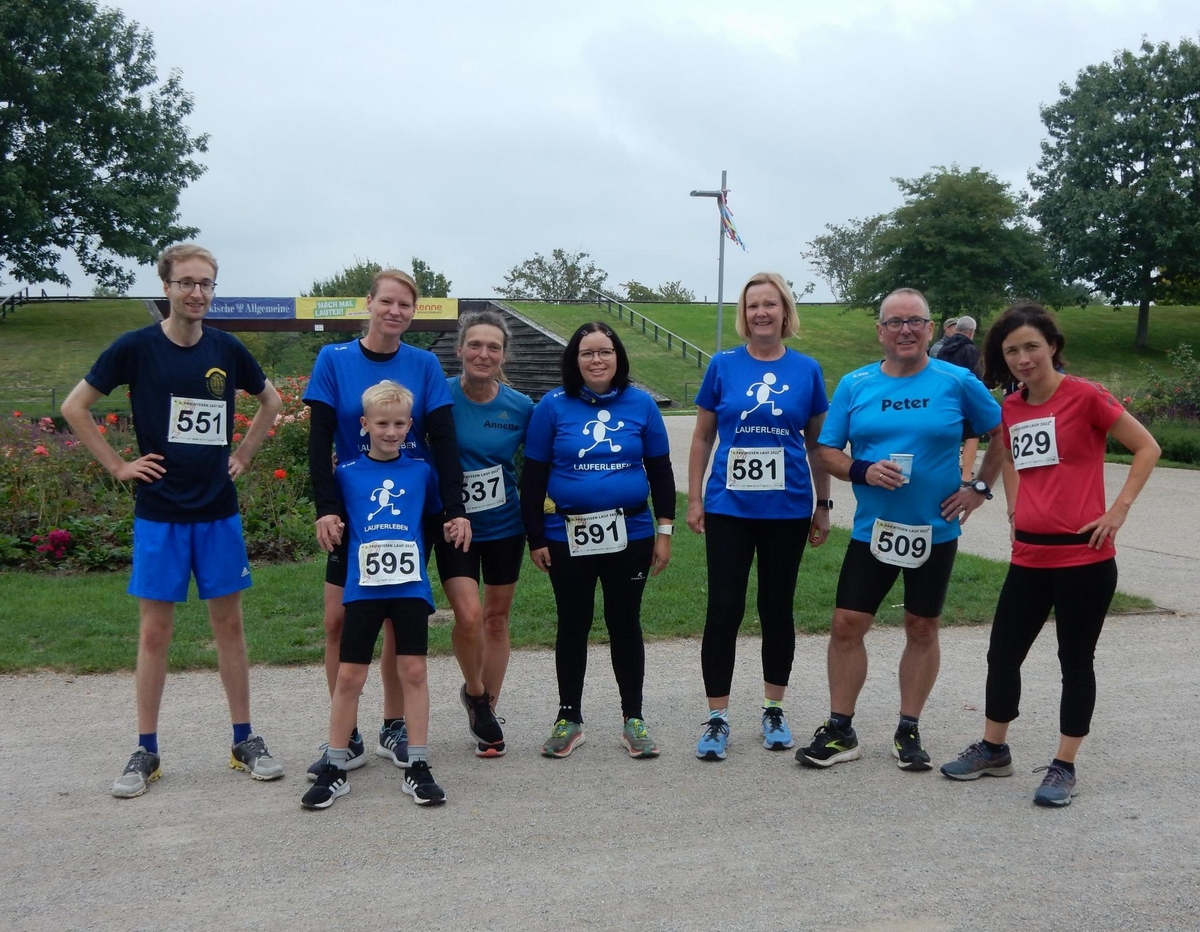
{"x":12,"y":302}
{"x":675,"y":343}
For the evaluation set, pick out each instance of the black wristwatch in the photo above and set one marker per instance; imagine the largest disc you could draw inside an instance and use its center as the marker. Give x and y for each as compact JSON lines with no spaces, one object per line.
{"x":825,"y":503}
{"x":979,"y":486}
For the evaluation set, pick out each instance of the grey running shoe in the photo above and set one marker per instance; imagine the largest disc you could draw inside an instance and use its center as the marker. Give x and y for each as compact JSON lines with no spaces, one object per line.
{"x":977,"y":761}
{"x":637,"y":739}
{"x":564,"y":738}
{"x":393,"y":744}
{"x":1058,"y":786}
{"x":143,"y":768}
{"x":252,"y":756}
{"x":907,"y":750}
{"x":358,"y":758}
{"x":331,"y":783}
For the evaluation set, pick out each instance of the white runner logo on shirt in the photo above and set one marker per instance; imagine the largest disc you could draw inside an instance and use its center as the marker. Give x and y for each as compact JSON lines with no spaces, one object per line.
{"x":761,"y":392}
{"x":599,"y":430}
{"x":386,"y":499}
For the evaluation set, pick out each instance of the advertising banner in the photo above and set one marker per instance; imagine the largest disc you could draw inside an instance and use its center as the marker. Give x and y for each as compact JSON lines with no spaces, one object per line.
{"x":331,"y":309}
{"x":437,"y":309}
{"x":253,"y":308}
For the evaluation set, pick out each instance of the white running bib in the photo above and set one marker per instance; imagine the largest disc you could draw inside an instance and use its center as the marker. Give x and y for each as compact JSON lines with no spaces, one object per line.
{"x":596,"y":533}
{"x":1034,"y":443}
{"x":197,"y":420}
{"x":755,"y":469}
{"x":906,"y":545}
{"x":388,"y":563}
{"x":483,"y":489}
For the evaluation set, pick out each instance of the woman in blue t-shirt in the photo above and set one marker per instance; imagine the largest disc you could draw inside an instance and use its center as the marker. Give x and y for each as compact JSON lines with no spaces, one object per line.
{"x":598,"y":446}
{"x":490,"y":419}
{"x":763,"y":405}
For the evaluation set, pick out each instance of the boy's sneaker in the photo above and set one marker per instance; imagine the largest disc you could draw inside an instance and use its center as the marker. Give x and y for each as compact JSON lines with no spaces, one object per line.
{"x":776,"y":734}
{"x":252,"y":756}
{"x":907,"y":750}
{"x":420,"y":785}
{"x":481,"y":721}
{"x":393,"y":744}
{"x":1058,"y":786}
{"x":330,"y":783}
{"x":143,"y":768}
{"x":637,"y":739}
{"x":358,"y":758}
{"x":830,"y":746}
{"x":711,"y":745}
{"x":564,"y":738}
{"x":977,"y":761}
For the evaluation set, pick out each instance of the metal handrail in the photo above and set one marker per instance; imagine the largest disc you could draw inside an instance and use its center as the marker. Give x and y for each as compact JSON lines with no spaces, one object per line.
{"x":650,"y":328}
{"x":12,"y":302}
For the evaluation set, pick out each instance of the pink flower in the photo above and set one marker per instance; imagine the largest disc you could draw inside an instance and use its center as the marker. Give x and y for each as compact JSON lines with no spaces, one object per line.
{"x":16,"y":414}
{"x":102,"y":428}
{"x":111,"y":418}
{"x":40,"y":450}
{"x":237,"y":437}
{"x":47,"y":424}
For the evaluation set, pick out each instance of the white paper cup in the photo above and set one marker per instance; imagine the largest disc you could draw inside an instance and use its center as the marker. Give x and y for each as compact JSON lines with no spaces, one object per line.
{"x":904,"y":461}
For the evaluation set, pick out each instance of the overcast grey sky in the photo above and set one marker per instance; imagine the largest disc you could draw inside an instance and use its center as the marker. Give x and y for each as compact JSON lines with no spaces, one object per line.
{"x":473,"y":134}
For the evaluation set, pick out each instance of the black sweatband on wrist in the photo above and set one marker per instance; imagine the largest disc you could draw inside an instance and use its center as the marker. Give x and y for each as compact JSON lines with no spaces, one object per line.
{"x":858,"y":471}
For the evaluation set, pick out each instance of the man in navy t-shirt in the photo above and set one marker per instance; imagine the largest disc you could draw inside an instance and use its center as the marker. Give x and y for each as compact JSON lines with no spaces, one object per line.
{"x":183,"y":378}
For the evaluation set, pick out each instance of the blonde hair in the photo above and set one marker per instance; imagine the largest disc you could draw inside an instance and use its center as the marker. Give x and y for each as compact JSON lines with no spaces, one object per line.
{"x":179,"y":252}
{"x":386,"y":392}
{"x":395,"y":275}
{"x":791,"y":320}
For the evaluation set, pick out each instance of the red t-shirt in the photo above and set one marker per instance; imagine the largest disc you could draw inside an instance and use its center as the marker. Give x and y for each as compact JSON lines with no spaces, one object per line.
{"x":1058,"y":448}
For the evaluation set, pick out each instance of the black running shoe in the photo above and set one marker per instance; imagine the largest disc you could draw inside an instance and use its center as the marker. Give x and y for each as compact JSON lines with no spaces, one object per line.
{"x":331,"y":783}
{"x":481,"y":720}
{"x":830,"y":746}
{"x":420,"y":785}
{"x":908,"y":751}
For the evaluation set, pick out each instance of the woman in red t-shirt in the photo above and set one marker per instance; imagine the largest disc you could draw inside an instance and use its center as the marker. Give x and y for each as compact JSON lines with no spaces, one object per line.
{"x":1063,"y":558}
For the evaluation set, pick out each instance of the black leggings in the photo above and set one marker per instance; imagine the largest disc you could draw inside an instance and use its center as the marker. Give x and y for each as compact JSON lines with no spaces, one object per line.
{"x":730,"y":544}
{"x":623,"y":579}
{"x":1080,"y":596}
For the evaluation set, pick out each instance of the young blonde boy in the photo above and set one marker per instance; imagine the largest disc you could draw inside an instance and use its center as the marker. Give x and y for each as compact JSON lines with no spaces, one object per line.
{"x":385,"y":496}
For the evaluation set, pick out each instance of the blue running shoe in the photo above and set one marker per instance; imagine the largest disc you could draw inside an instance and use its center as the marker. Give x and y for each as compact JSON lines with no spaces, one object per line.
{"x":711,"y":745}
{"x":358,"y":758}
{"x":393,"y":744}
{"x":1058,"y":786}
{"x":776,"y":734}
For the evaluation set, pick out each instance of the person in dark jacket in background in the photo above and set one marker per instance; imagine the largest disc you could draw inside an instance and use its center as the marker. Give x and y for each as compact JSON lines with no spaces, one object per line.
{"x":959,"y":350}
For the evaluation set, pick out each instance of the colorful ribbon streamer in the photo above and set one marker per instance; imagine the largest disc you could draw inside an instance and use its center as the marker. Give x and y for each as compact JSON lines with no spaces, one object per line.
{"x":727,"y":220}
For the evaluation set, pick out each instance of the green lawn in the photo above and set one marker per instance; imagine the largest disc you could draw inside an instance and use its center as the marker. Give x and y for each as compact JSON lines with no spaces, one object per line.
{"x":86,"y":623}
{"x":1099,"y":340}
{"x":50,"y":347}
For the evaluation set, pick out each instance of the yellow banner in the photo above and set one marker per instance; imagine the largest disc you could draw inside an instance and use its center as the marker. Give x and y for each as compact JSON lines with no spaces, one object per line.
{"x":331,"y":308}
{"x":437,"y":309}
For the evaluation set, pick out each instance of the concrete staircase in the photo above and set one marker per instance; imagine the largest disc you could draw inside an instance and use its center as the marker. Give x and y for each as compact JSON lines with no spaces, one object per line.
{"x":534,"y":356}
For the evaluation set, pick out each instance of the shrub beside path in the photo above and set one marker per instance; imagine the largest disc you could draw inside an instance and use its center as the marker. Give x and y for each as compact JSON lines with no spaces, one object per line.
{"x":602,"y":841}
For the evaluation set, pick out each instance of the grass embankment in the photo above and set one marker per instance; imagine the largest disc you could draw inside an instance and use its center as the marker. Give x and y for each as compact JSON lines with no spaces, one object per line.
{"x":1099,"y":340}
{"x":50,"y":347}
{"x":87,"y":624}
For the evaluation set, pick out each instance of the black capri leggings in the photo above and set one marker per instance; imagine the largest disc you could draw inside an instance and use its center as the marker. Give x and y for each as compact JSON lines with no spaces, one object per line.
{"x":730,"y":544}
{"x":1080,"y":596}
{"x":622,"y":576}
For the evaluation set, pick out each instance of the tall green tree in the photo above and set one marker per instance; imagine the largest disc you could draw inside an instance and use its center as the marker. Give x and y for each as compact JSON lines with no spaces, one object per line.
{"x":565,"y":276}
{"x":354,"y":281}
{"x":1119,"y":177}
{"x":845,"y":253}
{"x":431,"y":284}
{"x":93,"y":156}
{"x":964,"y":240}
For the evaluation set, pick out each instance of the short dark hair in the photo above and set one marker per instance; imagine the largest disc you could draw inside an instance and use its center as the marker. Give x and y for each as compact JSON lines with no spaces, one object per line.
{"x":572,"y":377}
{"x":1016,"y":316}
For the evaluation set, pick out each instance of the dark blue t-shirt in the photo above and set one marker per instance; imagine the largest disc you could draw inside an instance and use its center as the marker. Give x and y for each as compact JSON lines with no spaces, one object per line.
{"x":183,"y":405}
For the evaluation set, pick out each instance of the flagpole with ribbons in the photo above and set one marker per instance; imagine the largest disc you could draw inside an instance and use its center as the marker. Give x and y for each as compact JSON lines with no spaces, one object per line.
{"x":727,"y":229}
